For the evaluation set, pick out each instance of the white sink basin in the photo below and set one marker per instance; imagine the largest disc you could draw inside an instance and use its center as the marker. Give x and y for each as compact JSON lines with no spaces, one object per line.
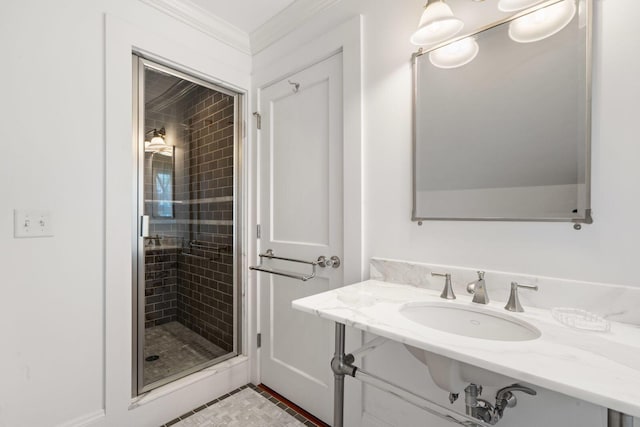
{"x":452,"y":375}
{"x":469,"y":322}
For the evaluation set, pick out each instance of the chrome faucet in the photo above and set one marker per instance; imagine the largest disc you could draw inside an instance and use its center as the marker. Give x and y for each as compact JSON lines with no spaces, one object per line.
{"x":479,"y":289}
{"x":447,"y":291}
{"x":514,"y":302}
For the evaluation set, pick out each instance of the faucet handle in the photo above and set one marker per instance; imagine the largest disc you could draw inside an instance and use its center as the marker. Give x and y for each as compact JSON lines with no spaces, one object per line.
{"x":514,"y":302}
{"x":447,"y":291}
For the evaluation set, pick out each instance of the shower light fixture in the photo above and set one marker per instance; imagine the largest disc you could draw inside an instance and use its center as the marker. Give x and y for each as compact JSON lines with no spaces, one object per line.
{"x":157,"y":141}
{"x":167,"y":150}
{"x":542,"y":23}
{"x":456,"y":54}
{"x":437,"y":24}
{"x":158,"y":136}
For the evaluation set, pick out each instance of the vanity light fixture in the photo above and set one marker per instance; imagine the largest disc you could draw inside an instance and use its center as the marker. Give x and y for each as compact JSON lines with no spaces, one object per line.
{"x":455,"y":54}
{"x":437,"y":24}
{"x":515,"y":5}
{"x":542,"y":23}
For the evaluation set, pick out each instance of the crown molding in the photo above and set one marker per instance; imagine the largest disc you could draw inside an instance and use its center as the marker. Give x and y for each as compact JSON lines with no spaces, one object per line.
{"x":289,"y":19}
{"x":204,"y":21}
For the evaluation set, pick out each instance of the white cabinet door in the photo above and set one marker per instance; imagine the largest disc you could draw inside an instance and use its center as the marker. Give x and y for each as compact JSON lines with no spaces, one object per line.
{"x":301,"y":216}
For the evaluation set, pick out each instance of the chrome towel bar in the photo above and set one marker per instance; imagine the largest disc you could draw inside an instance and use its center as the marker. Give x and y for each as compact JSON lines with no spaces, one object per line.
{"x":269,"y":254}
{"x":302,"y":277}
{"x":321,"y":261}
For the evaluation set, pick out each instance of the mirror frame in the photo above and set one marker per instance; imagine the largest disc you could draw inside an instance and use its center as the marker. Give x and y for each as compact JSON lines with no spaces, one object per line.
{"x":586,"y":219}
{"x":154,"y":184}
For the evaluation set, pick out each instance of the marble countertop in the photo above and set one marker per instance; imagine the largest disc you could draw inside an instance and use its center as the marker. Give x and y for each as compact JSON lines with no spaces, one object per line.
{"x":599,"y":367}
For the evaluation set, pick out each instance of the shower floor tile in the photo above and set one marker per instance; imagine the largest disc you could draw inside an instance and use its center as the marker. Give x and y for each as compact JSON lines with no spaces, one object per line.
{"x":178,"y":348}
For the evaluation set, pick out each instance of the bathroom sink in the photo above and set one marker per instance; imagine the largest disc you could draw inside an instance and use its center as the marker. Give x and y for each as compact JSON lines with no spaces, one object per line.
{"x":452,"y":375}
{"x":469,"y":322}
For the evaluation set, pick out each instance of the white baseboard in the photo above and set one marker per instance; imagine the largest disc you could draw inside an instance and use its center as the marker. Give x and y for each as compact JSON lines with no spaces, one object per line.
{"x":85,"y":420}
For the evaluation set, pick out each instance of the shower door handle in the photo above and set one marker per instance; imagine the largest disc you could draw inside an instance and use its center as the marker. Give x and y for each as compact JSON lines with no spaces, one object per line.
{"x":144,"y":226}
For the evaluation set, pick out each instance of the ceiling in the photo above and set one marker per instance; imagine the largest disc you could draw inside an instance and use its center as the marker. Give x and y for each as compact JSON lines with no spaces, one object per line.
{"x":247,"y":15}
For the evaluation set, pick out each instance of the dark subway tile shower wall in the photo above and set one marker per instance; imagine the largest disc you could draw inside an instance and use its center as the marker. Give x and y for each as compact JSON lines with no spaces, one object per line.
{"x":160,"y":290}
{"x":205,"y":293}
{"x":192,"y":267}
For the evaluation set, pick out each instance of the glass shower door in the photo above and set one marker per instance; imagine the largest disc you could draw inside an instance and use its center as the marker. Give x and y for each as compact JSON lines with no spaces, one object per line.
{"x":186,"y":282}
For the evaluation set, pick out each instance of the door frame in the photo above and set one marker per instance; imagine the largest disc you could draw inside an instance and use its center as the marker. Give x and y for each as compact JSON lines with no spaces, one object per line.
{"x":345,"y":38}
{"x":204,"y":60}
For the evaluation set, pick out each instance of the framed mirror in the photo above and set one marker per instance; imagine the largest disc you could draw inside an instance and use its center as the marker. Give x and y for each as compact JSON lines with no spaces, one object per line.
{"x":160,"y":192}
{"x":163,"y":171}
{"x":503,"y":133}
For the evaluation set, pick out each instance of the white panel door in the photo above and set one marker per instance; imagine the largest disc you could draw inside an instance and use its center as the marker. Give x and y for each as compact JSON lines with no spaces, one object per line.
{"x":301,"y":216}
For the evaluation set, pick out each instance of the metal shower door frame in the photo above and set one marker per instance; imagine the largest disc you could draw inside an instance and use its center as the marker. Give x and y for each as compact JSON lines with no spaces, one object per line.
{"x":139,"y":63}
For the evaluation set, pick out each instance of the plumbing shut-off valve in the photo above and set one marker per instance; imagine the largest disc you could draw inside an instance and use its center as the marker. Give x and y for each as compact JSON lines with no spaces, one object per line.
{"x":485,"y":411}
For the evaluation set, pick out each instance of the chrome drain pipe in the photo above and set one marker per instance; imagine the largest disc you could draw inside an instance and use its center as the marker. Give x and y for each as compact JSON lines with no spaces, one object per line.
{"x":618,"y":419}
{"x":471,"y":393}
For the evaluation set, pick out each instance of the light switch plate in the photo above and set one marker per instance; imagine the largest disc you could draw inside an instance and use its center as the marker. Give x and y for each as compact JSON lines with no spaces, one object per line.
{"x":32,"y":224}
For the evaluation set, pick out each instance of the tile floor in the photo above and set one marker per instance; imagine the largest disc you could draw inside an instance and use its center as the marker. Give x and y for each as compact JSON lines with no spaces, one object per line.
{"x":247,"y":406}
{"x":179,"y":349}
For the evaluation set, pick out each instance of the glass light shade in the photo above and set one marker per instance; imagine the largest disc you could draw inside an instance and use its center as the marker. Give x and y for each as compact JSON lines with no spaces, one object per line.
{"x":157,"y":140}
{"x":167,"y":150}
{"x":542,"y":23}
{"x":514,"y":5}
{"x":437,"y":24}
{"x":456,"y":54}
{"x":157,"y":143}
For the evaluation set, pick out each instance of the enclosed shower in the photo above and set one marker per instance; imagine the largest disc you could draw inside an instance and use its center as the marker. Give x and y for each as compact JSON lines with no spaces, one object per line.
{"x":185,"y":285}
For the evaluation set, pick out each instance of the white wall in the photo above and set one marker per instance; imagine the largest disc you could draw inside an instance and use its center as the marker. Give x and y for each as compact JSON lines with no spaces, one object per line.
{"x":52,"y":316}
{"x":603,"y":252}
